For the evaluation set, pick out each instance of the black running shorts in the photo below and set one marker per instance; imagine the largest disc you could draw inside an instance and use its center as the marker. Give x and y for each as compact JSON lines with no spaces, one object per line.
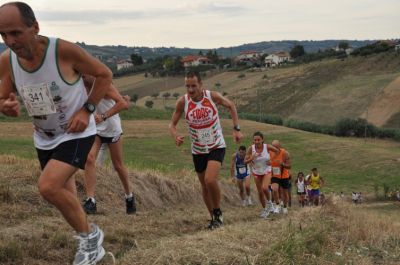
{"x":200,"y":161}
{"x":73,"y":152}
{"x":283,"y":183}
{"x":109,"y":140}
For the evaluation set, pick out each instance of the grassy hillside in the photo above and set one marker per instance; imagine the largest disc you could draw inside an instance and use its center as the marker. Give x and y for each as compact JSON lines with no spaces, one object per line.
{"x":169,"y":225}
{"x":347,"y":163}
{"x":321,"y":92}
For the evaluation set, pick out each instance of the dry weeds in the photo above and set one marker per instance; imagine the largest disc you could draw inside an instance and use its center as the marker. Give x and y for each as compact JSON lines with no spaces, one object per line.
{"x":169,"y":227}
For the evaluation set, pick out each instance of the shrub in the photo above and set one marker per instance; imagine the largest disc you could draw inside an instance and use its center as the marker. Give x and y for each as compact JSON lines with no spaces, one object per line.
{"x":355,"y":127}
{"x":265,"y":118}
{"x":306,"y":126}
{"x":149,"y":104}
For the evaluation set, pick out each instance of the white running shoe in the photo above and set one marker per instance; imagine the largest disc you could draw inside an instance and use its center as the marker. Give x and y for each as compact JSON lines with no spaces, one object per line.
{"x":277,"y":210}
{"x":244,"y":203}
{"x":285,"y":210}
{"x":270,"y":207}
{"x":100,"y":253}
{"x":249,"y":201}
{"x":89,"y":249}
{"x":264,"y":213}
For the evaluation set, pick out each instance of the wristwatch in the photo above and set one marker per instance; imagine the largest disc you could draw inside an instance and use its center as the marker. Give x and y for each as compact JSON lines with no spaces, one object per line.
{"x":89,"y":107}
{"x":236,"y":128}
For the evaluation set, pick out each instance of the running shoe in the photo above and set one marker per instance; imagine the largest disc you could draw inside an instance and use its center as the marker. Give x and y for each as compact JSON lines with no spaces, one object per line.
{"x":277,"y":210}
{"x":130,"y":205}
{"x":244,"y":203}
{"x":285,"y":210}
{"x":264,"y":213}
{"x":270,"y":207}
{"x":90,"y":248}
{"x":249,"y":201}
{"x":217,"y":220}
{"x":89,"y":205}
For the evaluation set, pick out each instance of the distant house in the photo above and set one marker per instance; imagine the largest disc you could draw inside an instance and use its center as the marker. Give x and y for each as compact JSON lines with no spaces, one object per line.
{"x":348,"y":51}
{"x":277,"y":58}
{"x":123,"y":64}
{"x":248,"y":56}
{"x":195,"y":60}
{"x":99,"y":56}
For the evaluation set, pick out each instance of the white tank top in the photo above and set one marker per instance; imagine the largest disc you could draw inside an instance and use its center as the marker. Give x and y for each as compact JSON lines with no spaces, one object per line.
{"x":300,"y":186}
{"x":204,"y":125}
{"x":259,"y":165}
{"x":111,"y":127}
{"x":50,"y":99}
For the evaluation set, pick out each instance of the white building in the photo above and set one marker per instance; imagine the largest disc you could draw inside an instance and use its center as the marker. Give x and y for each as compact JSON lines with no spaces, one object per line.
{"x":248,"y":56}
{"x":195,"y":60}
{"x":123,"y":64}
{"x":277,"y":58}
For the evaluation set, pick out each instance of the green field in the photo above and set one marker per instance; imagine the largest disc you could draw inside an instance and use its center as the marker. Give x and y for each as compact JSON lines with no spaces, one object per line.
{"x":347,"y":163}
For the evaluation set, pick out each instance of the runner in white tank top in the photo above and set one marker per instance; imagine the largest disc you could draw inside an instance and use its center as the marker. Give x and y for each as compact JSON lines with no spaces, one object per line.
{"x":208,"y":145}
{"x":258,"y":157}
{"x":301,"y":188}
{"x":109,"y":132}
{"x":46,"y":73}
{"x":260,"y":166}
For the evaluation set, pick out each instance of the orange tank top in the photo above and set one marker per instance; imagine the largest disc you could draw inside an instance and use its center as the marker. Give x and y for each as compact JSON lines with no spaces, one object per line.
{"x":276,"y":160}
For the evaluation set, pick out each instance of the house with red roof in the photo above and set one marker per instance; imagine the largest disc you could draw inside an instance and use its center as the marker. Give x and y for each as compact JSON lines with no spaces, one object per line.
{"x":277,"y":58}
{"x":249,"y":56}
{"x":195,"y":60}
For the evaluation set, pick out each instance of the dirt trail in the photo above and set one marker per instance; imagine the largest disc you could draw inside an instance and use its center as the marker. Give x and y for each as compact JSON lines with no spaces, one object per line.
{"x":385,"y":105}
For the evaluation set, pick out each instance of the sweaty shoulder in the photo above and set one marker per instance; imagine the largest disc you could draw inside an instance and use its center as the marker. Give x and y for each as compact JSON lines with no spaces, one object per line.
{"x":67,"y":49}
{"x":180,"y":103}
{"x":5,"y":61}
{"x":215,"y":95}
{"x":69,"y":56}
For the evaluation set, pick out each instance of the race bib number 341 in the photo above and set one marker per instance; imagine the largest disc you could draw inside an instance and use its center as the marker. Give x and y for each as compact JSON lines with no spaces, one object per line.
{"x":38,"y":100}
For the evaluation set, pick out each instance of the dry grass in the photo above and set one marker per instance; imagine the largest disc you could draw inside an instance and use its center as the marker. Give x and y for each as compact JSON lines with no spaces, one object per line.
{"x":169,"y":227}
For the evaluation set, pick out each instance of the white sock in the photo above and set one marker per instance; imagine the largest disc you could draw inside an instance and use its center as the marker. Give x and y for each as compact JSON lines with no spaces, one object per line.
{"x":129,"y":196}
{"x":92,"y":199}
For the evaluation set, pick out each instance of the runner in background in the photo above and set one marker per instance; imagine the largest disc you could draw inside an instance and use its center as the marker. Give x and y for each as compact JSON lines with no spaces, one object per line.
{"x":258,"y":157}
{"x":109,"y":132}
{"x":240,"y":174}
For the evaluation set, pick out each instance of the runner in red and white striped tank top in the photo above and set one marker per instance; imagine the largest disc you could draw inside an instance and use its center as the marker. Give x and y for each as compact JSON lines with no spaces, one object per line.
{"x":204,"y":125}
{"x":208,"y":145}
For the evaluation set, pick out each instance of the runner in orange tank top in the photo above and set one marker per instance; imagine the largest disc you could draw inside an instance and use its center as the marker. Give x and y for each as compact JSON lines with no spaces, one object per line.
{"x":280,"y":164}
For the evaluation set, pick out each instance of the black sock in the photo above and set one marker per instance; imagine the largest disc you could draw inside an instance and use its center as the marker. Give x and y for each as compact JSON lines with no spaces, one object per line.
{"x":217,"y":212}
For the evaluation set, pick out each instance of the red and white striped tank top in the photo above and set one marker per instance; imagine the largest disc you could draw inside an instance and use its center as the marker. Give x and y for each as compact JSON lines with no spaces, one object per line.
{"x":204,"y":125}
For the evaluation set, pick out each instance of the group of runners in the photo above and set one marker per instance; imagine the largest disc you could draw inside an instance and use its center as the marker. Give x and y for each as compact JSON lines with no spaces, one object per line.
{"x":74,"y":106}
{"x":270,"y":165}
{"x":309,"y":188}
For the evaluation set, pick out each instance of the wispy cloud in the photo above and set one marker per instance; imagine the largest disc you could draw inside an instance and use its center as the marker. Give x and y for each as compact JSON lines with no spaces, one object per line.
{"x":103,"y":16}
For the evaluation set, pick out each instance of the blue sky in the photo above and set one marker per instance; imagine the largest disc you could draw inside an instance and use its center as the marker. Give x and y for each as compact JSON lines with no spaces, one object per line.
{"x":212,"y":24}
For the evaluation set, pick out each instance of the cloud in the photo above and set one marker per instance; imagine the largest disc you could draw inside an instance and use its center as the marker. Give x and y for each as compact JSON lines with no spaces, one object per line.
{"x":95,"y":16}
{"x":104,"y":16}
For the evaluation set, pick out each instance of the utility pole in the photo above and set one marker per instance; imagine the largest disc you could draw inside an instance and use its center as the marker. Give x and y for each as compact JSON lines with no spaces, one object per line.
{"x":366,"y":125}
{"x":259,"y":104}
